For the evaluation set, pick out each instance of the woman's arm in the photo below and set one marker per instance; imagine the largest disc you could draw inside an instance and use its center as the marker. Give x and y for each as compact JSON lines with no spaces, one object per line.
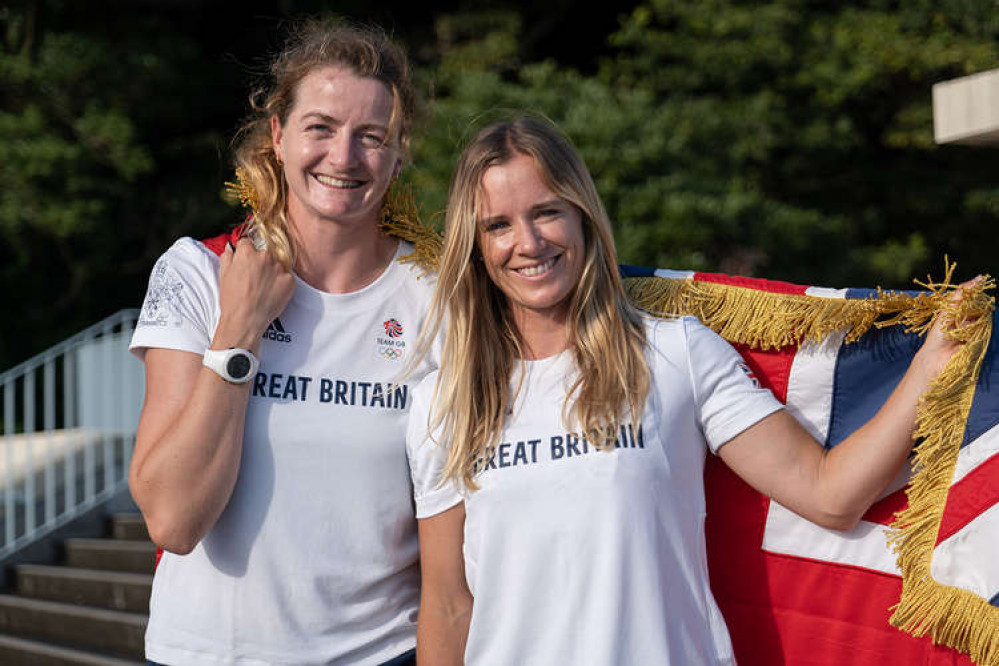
{"x":834,"y":488}
{"x":189,"y":442}
{"x":445,"y":602}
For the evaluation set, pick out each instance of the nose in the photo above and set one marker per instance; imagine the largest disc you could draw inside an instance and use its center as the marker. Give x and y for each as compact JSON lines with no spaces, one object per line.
{"x":342,"y":151}
{"x":528,"y":238}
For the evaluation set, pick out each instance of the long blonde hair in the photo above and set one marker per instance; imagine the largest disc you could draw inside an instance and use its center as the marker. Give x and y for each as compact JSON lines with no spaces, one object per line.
{"x":481,"y":342}
{"x":313,"y":44}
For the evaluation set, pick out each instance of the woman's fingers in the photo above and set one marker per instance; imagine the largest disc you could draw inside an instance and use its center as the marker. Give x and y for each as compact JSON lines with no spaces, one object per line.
{"x":254,"y":287}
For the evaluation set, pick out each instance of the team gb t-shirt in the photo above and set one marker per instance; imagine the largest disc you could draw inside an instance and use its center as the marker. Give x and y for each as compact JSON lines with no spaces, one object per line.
{"x":591,"y":557}
{"x":315,"y":558}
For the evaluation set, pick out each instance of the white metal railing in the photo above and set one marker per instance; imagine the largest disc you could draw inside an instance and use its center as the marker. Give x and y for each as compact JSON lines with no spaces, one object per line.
{"x":69,"y":420}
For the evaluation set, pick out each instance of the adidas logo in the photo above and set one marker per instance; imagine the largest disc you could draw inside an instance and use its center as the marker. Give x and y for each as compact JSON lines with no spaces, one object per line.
{"x":275,"y":331}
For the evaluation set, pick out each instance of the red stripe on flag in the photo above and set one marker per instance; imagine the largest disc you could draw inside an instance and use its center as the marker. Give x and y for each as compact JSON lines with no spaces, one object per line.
{"x":772,"y":368}
{"x":883,"y":511}
{"x":774,"y":286}
{"x":217,"y":243}
{"x":970,"y":497}
{"x":967,"y":500}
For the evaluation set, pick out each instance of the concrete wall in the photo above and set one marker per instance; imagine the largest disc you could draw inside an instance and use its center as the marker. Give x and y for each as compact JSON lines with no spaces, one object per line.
{"x":966,"y":110}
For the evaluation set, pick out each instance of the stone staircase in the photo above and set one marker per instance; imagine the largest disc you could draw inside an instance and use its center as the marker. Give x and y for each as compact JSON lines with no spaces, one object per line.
{"x":91,"y":610}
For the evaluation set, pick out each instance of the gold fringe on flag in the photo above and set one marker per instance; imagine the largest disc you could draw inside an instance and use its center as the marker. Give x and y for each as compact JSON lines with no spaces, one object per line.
{"x":243,"y":191}
{"x":950,"y":615}
{"x":401,"y":219}
{"x":767,"y":320}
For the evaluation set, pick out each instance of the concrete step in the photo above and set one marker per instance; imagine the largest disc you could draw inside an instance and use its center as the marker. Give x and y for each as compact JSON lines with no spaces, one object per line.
{"x":115,"y":632}
{"x":24,"y":652}
{"x":91,"y":587}
{"x":111,"y":555}
{"x":129,"y":526}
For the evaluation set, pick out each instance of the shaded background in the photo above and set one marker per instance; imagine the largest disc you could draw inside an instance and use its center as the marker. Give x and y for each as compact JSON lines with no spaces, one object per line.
{"x":790,"y":140}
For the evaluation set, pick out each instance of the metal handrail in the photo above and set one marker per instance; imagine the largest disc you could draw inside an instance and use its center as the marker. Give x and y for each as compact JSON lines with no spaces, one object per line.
{"x":65,"y":451}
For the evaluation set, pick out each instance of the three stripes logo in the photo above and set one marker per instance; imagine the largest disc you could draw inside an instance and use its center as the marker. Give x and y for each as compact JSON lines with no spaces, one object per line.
{"x":275,"y":331}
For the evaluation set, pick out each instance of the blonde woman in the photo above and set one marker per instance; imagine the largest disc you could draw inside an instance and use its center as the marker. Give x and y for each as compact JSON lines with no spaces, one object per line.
{"x":270,"y":462}
{"x":571,"y":433}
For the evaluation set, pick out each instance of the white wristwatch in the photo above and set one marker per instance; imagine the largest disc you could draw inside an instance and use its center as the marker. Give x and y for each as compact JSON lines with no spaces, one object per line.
{"x":236,"y":366}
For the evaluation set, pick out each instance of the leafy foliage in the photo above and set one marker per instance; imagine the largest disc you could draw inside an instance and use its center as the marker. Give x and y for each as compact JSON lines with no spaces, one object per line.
{"x":786,"y":139}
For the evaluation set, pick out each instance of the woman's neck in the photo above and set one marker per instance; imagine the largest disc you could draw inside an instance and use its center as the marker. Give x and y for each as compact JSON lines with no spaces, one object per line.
{"x":541,"y":335}
{"x":340,"y":259}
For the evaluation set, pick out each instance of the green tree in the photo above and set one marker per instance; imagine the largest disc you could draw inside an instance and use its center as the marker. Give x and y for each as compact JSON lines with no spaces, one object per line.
{"x":110,"y":148}
{"x":801,"y":135}
{"x":789,"y":140}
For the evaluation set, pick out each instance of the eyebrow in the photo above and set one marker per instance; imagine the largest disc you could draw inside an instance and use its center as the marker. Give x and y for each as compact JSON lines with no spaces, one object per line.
{"x":326,"y":118}
{"x":555,"y":201}
{"x":486,"y":221}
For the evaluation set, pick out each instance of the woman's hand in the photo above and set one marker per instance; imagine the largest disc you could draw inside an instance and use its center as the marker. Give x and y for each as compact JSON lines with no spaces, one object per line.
{"x":943,"y":339}
{"x":254,"y":288}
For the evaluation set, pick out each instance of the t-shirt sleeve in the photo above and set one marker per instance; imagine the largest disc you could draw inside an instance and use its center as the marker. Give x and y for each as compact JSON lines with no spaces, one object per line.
{"x":728,"y":397}
{"x":427,"y":456}
{"x":180,"y":310}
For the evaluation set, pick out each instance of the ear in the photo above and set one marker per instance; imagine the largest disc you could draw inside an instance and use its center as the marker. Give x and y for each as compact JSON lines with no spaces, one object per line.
{"x":276,"y":138}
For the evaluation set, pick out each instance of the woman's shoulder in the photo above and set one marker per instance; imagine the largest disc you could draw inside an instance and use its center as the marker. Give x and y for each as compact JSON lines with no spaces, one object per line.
{"x":665,"y":330}
{"x":187,"y":251}
{"x":682,"y":339}
{"x":188,"y":262}
{"x":423,"y":391}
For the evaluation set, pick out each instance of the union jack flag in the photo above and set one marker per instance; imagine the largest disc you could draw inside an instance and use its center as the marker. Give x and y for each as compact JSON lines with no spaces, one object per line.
{"x":796,"y":593}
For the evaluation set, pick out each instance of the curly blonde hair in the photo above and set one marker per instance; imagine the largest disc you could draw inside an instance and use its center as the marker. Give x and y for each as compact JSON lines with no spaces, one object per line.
{"x":366,"y":51}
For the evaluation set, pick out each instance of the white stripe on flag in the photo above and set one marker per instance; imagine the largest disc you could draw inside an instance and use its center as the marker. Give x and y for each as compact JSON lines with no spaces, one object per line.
{"x":864,"y":546}
{"x":810,"y":384}
{"x":675,"y":275}
{"x":974,"y":454}
{"x":967,"y":559}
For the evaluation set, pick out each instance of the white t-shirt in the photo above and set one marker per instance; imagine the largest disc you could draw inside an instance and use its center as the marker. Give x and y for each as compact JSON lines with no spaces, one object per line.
{"x":315,"y":558}
{"x":580,"y":556}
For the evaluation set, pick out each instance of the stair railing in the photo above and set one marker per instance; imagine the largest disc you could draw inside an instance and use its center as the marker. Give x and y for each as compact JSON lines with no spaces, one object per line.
{"x":69,"y":421}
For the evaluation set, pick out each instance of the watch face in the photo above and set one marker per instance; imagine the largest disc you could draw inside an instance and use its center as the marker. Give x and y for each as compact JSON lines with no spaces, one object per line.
{"x":238,"y":366}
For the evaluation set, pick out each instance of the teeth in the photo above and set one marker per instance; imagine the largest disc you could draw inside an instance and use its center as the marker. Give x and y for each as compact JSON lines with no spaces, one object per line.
{"x":336,"y":182}
{"x":537,"y":270}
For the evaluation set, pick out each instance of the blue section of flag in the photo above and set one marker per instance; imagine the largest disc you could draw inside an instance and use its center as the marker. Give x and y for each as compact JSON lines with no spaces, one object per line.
{"x":867,"y":371}
{"x":861,"y":293}
{"x":985,"y":407}
{"x":853,"y":292}
{"x":636,"y":271}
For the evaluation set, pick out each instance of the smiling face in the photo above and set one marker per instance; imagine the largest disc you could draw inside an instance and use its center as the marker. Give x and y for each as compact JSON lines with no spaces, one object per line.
{"x":531,"y":241}
{"x":336,"y":149}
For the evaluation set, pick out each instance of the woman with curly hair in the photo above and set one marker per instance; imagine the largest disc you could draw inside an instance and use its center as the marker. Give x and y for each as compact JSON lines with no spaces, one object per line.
{"x":270,"y":461}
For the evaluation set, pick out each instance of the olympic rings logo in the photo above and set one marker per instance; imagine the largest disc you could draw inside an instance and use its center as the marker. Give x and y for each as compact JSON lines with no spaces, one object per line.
{"x":390,"y":353}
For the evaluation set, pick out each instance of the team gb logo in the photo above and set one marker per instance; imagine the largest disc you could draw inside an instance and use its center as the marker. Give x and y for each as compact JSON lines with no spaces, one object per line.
{"x":393,"y":328}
